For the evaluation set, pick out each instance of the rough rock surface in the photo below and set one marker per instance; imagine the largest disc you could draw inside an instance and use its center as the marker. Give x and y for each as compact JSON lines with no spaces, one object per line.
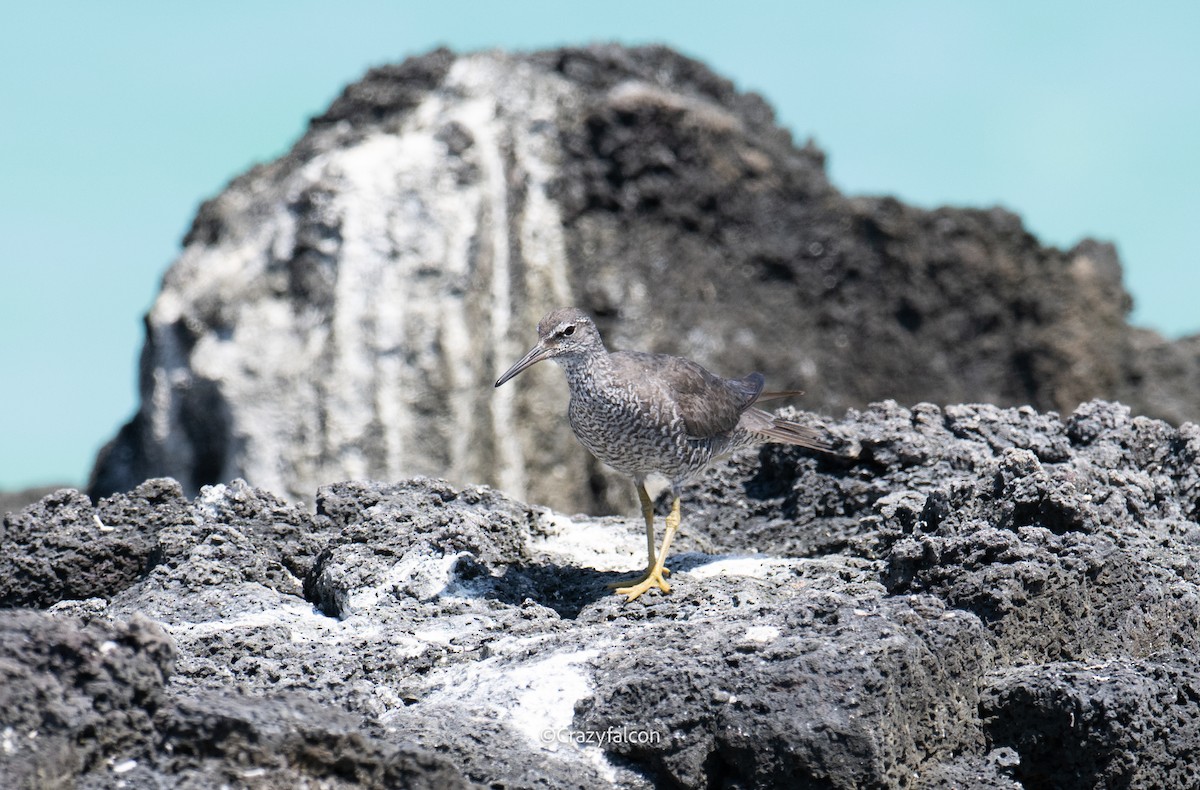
{"x":342,"y":311}
{"x":74,"y":695}
{"x":967,"y":596}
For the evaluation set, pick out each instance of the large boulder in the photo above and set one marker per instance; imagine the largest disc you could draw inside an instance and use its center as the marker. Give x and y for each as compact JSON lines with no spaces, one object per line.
{"x":342,"y":312}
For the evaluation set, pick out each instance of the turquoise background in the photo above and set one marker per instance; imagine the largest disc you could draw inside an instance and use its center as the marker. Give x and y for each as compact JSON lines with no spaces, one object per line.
{"x":117,"y":119}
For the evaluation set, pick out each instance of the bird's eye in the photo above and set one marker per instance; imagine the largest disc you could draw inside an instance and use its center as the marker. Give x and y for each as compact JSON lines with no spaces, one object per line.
{"x":570,"y":330}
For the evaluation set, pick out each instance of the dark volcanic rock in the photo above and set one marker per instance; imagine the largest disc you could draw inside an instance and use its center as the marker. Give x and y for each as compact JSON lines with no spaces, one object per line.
{"x":828,"y":685}
{"x":74,"y":699}
{"x":1101,"y":723}
{"x":965,"y":596}
{"x":63,"y":547}
{"x":342,"y":312}
{"x":284,"y":742}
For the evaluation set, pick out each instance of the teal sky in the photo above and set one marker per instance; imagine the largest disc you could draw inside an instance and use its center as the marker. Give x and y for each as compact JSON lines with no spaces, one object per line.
{"x":117,"y":119}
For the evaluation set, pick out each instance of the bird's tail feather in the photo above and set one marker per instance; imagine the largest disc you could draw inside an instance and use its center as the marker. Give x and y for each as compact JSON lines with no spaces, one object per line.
{"x":777,"y":394}
{"x":777,"y":429}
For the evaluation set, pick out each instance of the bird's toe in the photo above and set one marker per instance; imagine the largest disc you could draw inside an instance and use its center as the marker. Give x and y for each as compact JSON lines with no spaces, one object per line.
{"x":651,"y":579}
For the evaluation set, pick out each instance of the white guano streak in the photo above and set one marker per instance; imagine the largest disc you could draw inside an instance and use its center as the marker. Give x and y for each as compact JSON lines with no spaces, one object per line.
{"x":364,"y":255}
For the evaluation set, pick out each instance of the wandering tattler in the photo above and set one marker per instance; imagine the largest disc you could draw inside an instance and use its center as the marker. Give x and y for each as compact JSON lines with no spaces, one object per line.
{"x":645,"y":414}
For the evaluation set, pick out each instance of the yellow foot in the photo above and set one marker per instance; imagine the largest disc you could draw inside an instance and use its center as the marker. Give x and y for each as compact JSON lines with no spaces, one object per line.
{"x":651,"y":579}
{"x":628,"y":582}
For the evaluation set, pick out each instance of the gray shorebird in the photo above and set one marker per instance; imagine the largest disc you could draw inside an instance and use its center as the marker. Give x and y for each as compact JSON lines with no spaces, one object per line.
{"x":645,"y":414}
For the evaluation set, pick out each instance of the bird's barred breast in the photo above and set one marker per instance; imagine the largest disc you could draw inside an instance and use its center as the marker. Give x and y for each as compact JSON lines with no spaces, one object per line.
{"x":635,"y":436}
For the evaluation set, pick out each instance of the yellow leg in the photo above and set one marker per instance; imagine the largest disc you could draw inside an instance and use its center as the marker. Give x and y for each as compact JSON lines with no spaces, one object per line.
{"x":655,"y":576}
{"x":648,"y":515}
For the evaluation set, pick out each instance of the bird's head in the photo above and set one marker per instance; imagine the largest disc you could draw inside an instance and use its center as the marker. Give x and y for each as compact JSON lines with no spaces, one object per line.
{"x":564,"y":332}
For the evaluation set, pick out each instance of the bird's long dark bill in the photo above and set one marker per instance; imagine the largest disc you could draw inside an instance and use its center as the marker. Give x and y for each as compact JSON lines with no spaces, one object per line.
{"x":535,"y":355}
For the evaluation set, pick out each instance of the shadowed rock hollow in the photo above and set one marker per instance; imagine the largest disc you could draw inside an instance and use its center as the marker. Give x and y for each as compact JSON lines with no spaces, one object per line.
{"x":342,"y":311}
{"x":982,"y":597}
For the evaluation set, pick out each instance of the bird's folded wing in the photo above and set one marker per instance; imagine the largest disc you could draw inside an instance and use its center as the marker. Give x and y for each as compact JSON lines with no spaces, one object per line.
{"x":708,"y":404}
